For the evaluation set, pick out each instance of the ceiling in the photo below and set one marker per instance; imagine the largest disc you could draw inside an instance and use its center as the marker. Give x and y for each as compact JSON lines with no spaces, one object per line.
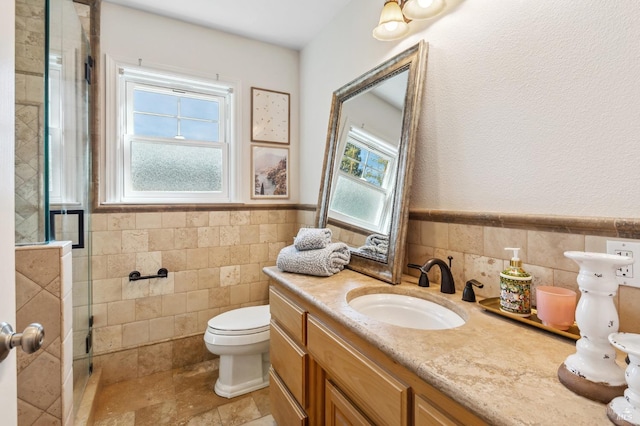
{"x":288,"y":23}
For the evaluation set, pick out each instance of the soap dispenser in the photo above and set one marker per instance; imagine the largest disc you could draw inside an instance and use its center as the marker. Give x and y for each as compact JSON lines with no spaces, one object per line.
{"x":515,"y":288}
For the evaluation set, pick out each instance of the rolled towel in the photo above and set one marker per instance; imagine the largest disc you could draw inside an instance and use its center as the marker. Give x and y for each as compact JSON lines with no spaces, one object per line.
{"x":381,"y":249}
{"x":377,"y":239}
{"x":321,"y":262}
{"x":312,"y":238}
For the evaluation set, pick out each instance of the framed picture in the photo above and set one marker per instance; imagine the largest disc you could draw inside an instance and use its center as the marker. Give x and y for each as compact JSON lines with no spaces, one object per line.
{"x":269,"y":116}
{"x":270,"y":169}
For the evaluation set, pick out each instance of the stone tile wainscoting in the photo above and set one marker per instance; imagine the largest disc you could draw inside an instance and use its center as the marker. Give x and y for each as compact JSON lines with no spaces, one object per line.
{"x":215,"y":261}
{"x":478,"y":252}
{"x":29,"y":155}
{"x":43,"y":295}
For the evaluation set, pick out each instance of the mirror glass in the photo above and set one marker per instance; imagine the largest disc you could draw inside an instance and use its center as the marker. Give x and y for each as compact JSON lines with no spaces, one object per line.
{"x":369,"y":161}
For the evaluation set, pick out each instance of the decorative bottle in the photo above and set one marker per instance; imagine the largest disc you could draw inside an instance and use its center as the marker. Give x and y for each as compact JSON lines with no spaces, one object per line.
{"x":515,"y":288}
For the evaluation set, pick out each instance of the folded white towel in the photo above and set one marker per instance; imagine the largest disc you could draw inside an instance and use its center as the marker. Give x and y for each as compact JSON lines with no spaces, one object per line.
{"x":321,"y":262}
{"x":312,"y":238}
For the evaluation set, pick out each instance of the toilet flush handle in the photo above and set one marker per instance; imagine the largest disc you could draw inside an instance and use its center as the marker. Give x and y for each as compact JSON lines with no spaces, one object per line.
{"x":30,"y":339}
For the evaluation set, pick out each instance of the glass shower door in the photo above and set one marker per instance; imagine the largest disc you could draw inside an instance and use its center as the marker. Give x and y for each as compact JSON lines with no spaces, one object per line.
{"x":67,"y":127}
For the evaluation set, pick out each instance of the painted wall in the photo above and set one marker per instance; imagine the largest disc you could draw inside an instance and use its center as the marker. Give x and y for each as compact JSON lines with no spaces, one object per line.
{"x":530,"y":107}
{"x":8,"y":402}
{"x":129,"y":34}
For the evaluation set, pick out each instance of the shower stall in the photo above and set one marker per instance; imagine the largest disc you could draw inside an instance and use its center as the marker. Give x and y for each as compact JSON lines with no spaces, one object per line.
{"x":52,"y":155}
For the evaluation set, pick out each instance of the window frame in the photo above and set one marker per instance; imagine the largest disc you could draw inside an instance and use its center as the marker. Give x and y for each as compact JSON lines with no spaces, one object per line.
{"x":116,"y":147}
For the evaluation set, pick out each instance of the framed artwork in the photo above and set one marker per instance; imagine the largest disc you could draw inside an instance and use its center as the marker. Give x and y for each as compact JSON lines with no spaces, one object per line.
{"x":270,"y":170}
{"x":270,"y":113}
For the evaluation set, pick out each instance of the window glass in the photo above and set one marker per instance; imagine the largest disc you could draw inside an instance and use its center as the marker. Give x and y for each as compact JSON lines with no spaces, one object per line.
{"x":154,"y":167}
{"x":155,"y":125}
{"x":199,"y":130}
{"x":198,"y":108}
{"x":152,"y":102}
{"x":362,"y":162}
{"x":352,"y":199}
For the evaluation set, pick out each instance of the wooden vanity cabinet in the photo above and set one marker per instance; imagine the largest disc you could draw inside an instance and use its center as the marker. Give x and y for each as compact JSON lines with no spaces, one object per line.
{"x":323,"y":374}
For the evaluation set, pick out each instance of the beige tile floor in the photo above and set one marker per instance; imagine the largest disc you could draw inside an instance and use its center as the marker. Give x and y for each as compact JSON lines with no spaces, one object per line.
{"x":183,"y":396}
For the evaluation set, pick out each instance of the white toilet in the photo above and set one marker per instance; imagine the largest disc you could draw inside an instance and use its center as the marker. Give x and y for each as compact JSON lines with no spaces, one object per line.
{"x":241,"y":338}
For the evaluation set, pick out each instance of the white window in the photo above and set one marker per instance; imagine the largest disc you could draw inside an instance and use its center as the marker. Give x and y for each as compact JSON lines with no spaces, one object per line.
{"x":174,"y":141}
{"x":363,"y":184}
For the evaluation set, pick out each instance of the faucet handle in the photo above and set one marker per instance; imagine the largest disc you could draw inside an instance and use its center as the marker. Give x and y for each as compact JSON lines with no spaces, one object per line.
{"x":424,"y":279}
{"x":468,"y":295}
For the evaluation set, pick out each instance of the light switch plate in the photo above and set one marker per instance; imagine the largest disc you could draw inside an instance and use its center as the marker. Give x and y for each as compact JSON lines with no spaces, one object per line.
{"x":627,"y":275}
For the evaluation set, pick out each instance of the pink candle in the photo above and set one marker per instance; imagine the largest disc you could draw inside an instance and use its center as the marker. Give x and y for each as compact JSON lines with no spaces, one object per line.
{"x":556,"y":306}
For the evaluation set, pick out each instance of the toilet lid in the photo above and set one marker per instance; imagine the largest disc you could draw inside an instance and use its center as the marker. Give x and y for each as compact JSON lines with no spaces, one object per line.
{"x":249,"y":320}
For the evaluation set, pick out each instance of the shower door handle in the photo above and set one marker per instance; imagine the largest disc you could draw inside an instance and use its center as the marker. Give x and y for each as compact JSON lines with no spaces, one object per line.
{"x":30,"y":339}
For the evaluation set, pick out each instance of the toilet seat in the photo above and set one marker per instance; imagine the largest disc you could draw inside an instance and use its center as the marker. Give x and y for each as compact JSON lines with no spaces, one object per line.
{"x":241,"y":321}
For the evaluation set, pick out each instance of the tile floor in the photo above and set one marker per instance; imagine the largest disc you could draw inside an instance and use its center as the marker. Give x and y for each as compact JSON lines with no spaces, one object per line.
{"x":183,"y":396}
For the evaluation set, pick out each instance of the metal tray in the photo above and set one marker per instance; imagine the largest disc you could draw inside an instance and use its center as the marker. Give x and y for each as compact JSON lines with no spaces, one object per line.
{"x":492,"y":304}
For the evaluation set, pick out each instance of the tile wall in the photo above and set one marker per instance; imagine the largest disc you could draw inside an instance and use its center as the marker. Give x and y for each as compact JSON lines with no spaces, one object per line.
{"x":43,"y":295}
{"x":215,"y":262}
{"x":30,"y":44}
{"x":478,"y":253}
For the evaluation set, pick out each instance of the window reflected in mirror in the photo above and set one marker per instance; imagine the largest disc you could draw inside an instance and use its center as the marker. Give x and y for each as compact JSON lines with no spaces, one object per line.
{"x":364,"y":181}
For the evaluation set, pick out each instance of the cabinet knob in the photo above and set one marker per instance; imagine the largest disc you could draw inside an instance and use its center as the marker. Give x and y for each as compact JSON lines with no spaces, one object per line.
{"x":30,"y":339}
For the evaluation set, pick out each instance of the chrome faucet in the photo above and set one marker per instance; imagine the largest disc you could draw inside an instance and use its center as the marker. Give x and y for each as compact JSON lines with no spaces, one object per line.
{"x":446,"y":281}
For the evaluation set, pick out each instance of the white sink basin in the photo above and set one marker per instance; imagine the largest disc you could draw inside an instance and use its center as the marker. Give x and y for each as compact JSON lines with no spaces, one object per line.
{"x":406,"y":311}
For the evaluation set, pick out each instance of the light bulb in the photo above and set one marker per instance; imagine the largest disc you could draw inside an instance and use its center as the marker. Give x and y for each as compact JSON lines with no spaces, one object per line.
{"x":391,"y":26}
{"x":422,"y":9}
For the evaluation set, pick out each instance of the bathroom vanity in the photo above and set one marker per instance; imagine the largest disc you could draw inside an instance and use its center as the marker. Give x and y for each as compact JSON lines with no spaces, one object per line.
{"x":334,"y":365}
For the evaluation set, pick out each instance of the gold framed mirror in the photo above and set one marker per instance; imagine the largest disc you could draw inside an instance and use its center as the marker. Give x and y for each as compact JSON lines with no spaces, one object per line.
{"x":368,"y":164}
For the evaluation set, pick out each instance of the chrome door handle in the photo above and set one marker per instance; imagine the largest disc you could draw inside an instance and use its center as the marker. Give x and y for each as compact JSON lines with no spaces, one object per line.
{"x":30,"y":339}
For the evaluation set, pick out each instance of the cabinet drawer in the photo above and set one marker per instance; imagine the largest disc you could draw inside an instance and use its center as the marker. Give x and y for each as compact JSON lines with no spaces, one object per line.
{"x":379,"y":395}
{"x":290,"y":362}
{"x":284,"y":408}
{"x":288,"y":315}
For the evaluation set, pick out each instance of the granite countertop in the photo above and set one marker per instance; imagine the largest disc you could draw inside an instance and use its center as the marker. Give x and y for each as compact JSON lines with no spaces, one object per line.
{"x":503,"y":370}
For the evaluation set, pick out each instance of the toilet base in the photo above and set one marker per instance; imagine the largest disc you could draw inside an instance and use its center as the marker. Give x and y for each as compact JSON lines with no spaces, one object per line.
{"x":241,"y":374}
{"x":227,"y":391}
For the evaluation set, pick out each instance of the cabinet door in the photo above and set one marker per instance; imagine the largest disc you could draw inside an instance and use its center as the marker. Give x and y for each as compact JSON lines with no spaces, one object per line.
{"x":339,"y":411}
{"x":426,"y":414}
{"x":381,"y":396}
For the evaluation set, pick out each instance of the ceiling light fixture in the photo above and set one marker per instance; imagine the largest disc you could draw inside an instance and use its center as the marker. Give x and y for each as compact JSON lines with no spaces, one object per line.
{"x":397,"y":13}
{"x":392,"y":24}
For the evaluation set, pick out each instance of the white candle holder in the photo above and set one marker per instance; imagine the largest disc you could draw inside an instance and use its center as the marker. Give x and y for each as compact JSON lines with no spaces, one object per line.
{"x":592,"y":371}
{"x":625,"y":410}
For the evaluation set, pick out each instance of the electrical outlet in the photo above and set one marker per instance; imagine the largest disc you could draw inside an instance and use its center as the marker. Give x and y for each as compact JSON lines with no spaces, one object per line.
{"x":627,"y":275}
